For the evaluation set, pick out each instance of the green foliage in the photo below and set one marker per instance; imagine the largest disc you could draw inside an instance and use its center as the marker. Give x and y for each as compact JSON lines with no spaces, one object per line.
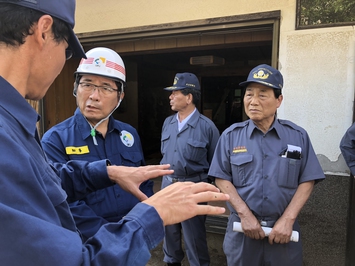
{"x":314,"y":12}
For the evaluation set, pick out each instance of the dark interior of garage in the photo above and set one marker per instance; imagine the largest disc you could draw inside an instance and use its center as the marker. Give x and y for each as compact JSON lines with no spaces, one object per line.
{"x":220,"y":70}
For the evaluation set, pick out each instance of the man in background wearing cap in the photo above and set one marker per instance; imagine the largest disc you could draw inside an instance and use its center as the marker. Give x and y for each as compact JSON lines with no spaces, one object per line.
{"x":37,"y":227}
{"x":92,"y":134}
{"x":188,"y":141}
{"x":268,"y":167}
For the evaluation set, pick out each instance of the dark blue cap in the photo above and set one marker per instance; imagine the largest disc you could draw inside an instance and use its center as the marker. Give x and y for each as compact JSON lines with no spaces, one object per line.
{"x":61,"y":9}
{"x":266,"y":75}
{"x":184,"y":81}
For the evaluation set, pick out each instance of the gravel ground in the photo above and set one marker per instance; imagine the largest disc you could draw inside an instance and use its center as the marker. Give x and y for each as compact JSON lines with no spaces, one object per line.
{"x":217,"y":256}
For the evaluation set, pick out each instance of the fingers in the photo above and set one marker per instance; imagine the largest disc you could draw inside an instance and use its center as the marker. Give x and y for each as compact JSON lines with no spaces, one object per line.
{"x":123,"y":174}
{"x":279,"y":239}
{"x":180,"y":201}
{"x":210,"y":196}
{"x":200,"y":187}
{"x":209,"y":210}
{"x":252,"y":227}
{"x":257,"y":233}
{"x":139,"y":195}
{"x":281,"y":232}
{"x":153,"y":171}
{"x":159,"y":166}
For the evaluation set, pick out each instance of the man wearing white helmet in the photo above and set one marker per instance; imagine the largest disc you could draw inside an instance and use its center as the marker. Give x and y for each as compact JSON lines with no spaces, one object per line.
{"x":92,"y":134}
{"x":37,"y":227}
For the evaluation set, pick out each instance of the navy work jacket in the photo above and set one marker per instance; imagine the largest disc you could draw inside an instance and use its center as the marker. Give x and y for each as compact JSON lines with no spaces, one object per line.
{"x":71,"y":140}
{"x":36,"y":225}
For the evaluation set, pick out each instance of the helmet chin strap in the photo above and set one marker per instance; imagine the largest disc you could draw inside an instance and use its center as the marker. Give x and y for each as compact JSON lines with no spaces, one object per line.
{"x":93,"y":128}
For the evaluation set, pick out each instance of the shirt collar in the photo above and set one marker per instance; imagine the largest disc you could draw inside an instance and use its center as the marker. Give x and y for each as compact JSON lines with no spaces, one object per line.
{"x":275,"y":127}
{"x":186,"y":120}
{"x":193,"y":118}
{"x":13,"y":102}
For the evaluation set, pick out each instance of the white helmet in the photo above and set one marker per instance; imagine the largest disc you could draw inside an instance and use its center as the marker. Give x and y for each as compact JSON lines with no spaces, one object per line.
{"x":103,"y":62}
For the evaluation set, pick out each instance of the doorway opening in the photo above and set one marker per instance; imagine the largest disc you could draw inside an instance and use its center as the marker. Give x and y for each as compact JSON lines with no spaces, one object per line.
{"x":221,"y":98}
{"x":154,"y":54}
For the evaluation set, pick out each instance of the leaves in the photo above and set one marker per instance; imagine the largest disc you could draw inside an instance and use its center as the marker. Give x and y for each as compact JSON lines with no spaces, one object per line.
{"x":314,"y":12}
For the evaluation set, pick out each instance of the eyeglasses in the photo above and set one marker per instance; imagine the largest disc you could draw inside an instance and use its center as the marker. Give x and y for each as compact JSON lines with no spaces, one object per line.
{"x":68,"y":52}
{"x":89,"y":87}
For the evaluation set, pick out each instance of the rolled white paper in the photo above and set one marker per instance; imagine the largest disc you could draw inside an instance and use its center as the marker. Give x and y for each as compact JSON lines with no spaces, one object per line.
{"x":237,"y":226}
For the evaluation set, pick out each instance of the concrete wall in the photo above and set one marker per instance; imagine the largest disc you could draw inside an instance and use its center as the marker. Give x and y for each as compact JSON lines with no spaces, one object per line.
{"x":324,"y":221}
{"x":318,"y":67}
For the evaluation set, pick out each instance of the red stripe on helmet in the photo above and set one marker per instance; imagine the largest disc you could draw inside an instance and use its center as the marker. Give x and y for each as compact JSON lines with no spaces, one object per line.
{"x":115,"y":66}
{"x":87,"y":61}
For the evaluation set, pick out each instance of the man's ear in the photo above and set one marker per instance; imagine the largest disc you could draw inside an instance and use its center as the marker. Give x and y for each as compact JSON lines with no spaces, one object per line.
{"x":75,"y":89}
{"x":121,"y":96}
{"x":189,"y":98}
{"x":279,"y":100}
{"x":43,"y":28}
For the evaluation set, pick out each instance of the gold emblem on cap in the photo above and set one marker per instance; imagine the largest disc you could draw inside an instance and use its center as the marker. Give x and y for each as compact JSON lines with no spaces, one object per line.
{"x":175,"y":80}
{"x":260,"y":75}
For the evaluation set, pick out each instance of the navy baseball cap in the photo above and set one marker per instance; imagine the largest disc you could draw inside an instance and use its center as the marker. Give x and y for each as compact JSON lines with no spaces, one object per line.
{"x":184,"y":81}
{"x":61,"y":9}
{"x":266,"y":75}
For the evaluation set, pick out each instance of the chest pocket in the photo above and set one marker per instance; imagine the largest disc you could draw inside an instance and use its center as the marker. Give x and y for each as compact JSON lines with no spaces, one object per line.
{"x":131,"y":158}
{"x":53,"y":186}
{"x":289,"y":172}
{"x":195,"y":150}
{"x":242,"y":170}
{"x":164,"y":143}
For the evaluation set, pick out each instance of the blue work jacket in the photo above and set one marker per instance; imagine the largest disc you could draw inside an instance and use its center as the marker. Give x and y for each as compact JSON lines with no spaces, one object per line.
{"x":190,"y":150}
{"x":71,"y":140}
{"x":347,"y":147}
{"x":36,"y":225}
{"x":257,"y":164}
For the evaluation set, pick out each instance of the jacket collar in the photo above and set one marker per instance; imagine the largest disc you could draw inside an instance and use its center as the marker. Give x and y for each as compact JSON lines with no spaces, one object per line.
{"x":13,"y":102}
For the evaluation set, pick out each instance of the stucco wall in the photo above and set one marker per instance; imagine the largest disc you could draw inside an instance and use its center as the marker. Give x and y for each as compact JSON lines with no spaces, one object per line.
{"x":318,"y":64}
{"x":113,"y":14}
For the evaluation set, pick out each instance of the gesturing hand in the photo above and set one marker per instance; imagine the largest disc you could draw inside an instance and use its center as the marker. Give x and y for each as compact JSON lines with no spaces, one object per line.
{"x":179,"y":201}
{"x":130,"y":178}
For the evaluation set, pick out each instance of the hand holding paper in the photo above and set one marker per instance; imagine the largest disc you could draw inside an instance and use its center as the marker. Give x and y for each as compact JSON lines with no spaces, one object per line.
{"x":238,"y":228}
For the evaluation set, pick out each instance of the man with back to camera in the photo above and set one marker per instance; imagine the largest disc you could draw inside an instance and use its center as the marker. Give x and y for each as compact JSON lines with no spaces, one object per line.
{"x":93,"y":134}
{"x":188,"y":141}
{"x":268,"y":167}
{"x":347,"y":148}
{"x":37,"y":228}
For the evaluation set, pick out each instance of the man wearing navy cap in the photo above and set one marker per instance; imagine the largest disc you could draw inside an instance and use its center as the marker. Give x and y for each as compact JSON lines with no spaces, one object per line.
{"x":188,"y":141}
{"x":268,"y":167}
{"x":37,"y":228}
